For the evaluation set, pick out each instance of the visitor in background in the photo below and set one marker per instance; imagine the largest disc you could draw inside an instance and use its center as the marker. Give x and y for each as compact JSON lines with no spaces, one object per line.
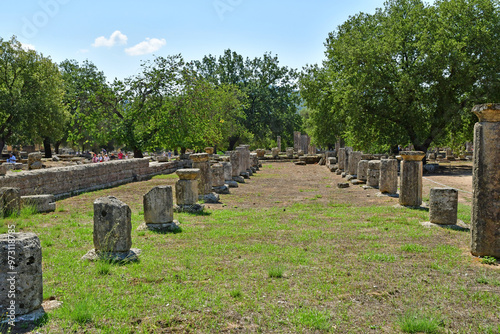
{"x":105,"y":158}
{"x":120,"y":155}
{"x":169,"y":155}
{"x":12,"y":158}
{"x":94,"y":158}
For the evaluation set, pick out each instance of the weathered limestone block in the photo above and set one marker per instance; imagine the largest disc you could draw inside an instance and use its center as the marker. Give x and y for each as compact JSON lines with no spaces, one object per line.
{"x":278,"y":140}
{"x":443,"y":205}
{"x":310,"y":159}
{"x":159,"y":210}
{"x":41,"y":203}
{"x":348,"y":152}
{"x":10,"y":201}
{"x":373,"y":174}
{"x":3,"y":170}
{"x":289,"y":152}
{"x":26,"y":252}
{"x":201,"y":162}
{"x":410,"y":193}
{"x":218,"y":182}
{"x":234,"y":157}
{"x":209,"y":150}
{"x":275,"y":153}
{"x":388,"y":182}
{"x":255,"y":161}
{"x":244,"y":158}
{"x":343,"y":185}
{"x":362,"y":173}
{"x":34,"y":160}
{"x":228,"y":170}
{"x":485,"y":223}
{"x":112,"y":225}
{"x":354,"y":159}
{"x":186,"y":188}
{"x":260,"y":152}
{"x":341,"y":156}
{"x":300,"y":153}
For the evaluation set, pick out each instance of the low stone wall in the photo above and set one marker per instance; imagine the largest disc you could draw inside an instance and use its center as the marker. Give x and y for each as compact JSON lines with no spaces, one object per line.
{"x":72,"y":180}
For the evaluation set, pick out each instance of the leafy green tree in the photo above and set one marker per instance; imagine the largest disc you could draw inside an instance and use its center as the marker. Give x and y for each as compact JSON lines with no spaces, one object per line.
{"x":271,"y":92}
{"x":90,"y":101}
{"x":31,"y":92}
{"x":409,"y":73}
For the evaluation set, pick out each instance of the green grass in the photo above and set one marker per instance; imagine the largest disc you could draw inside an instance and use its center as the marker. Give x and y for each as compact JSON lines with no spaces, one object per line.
{"x":413,"y":322}
{"x":304,"y":266}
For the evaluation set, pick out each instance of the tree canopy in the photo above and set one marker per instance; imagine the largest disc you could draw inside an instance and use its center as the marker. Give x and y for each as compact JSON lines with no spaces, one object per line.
{"x":408,"y":74}
{"x":31,"y":94}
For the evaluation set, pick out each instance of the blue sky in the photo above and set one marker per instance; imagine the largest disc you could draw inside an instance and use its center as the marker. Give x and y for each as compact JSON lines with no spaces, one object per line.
{"x":118,"y":35}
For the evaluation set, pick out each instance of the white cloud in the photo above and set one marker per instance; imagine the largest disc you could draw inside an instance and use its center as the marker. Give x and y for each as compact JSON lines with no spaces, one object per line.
{"x":116,"y":38}
{"x":150,"y":45}
{"x":27,"y":46}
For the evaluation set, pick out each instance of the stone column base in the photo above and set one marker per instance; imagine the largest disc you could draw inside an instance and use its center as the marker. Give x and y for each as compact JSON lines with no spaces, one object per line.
{"x":189,"y":208}
{"x":131,"y":256}
{"x":165,"y":227}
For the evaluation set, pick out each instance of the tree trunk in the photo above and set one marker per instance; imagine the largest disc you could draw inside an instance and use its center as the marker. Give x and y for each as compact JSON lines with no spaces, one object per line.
{"x":232,"y":142}
{"x":56,"y":146}
{"x":2,"y":144}
{"x":138,"y":153}
{"x":46,"y":147}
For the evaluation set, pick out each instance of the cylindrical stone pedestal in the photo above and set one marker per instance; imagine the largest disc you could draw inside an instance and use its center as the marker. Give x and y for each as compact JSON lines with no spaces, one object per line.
{"x":275,"y":152}
{"x":354,"y":159}
{"x":260,"y":152}
{"x":410,"y":193}
{"x":217,"y":175}
{"x":34,"y":160}
{"x":22,"y":278}
{"x":289,"y":152}
{"x":362,"y":173}
{"x":341,"y":156}
{"x":388,"y":183}
{"x":228,"y":171}
{"x":234,"y":157}
{"x":201,"y":162}
{"x":244,"y":157}
{"x":485,"y":224}
{"x":159,"y":210}
{"x":443,"y":204}
{"x":186,"y":191}
{"x":373,"y":173}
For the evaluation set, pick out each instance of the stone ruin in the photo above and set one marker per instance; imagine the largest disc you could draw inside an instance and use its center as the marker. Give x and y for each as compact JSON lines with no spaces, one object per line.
{"x":112,"y":232}
{"x":34,"y":161}
{"x":23,"y":277}
{"x":219,"y":185}
{"x":10,"y":201}
{"x":410,"y":193}
{"x":485,"y":223}
{"x":443,"y":206}
{"x":41,"y":203}
{"x":158,"y":206}
{"x":201,"y":161}
{"x":186,"y":191}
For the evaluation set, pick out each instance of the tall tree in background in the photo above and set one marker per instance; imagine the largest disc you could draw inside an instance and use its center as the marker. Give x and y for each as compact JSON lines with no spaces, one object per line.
{"x":409,"y":73}
{"x":31,"y":93}
{"x":271,"y":91}
{"x":90,"y":101}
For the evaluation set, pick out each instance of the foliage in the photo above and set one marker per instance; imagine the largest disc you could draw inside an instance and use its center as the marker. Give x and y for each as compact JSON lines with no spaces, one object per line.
{"x":31,"y":94}
{"x":89,"y":99}
{"x":271,"y":94}
{"x":409,"y":73}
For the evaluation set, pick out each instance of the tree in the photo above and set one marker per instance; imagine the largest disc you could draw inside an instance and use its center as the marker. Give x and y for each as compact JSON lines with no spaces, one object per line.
{"x":31,"y":93}
{"x":409,"y":73}
{"x":90,"y":101}
{"x":270,"y":89}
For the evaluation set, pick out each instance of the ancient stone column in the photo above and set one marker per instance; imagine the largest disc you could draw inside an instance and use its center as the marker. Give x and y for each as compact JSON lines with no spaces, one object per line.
{"x":218,"y":180}
{"x":260,"y":152}
{"x":304,"y":142}
{"x":275,"y":153}
{"x":362,"y":173}
{"x":34,"y":160}
{"x":255,"y":163}
{"x":485,"y":224}
{"x":112,"y":231}
{"x":296,"y":141}
{"x":201,"y":162}
{"x":443,"y":205}
{"x":10,"y":201}
{"x":228,"y":175}
{"x":354,"y":159}
{"x":244,"y":160}
{"x":186,"y":191}
{"x":158,"y":206}
{"x":348,"y":152}
{"x":373,"y":173}
{"x":388,"y":183}
{"x":289,"y":152}
{"x":21,"y":277}
{"x":341,"y":158}
{"x":410,"y":193}
{"x":278,"y":140}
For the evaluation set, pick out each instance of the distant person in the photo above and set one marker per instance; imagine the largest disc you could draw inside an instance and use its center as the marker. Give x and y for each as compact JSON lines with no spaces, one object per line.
{"x":12,"y":158}
{"x":113,"y":156}
{"x":120,"y":155}
{"x":169,"y":155}
{"x":94,"y":158}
